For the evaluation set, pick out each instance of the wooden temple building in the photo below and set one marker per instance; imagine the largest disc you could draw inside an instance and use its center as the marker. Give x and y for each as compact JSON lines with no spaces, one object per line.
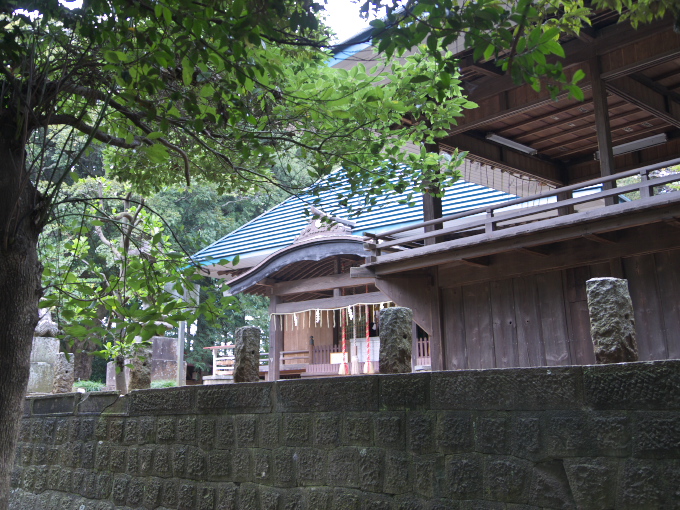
{"x":582,"y":193}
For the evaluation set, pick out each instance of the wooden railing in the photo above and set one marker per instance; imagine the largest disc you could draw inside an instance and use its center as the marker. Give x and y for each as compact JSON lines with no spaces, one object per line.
{"x":485,"y":221}
{"x":423,"y":352}
{"x":322,"y":353}
{"x":224,"y":364}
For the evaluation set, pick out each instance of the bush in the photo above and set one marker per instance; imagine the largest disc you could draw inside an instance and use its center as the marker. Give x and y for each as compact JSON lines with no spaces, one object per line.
{"x":90,"y":385}
{"x":166,"y":383}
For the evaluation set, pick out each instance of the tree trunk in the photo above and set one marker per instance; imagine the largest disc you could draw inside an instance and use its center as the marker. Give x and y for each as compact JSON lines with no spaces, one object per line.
{"x":82,"y":360}
{"x":20,"y":291}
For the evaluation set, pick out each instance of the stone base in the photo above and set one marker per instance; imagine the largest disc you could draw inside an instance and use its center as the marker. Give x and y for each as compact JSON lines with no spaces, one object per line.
{"x":41,"y":378}
{"x":218,"y":379}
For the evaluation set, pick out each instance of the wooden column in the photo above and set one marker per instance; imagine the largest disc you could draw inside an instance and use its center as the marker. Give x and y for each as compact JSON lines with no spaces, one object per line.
{"x":432,"y":206}
{"x":275,"y":341}
{"x":437,"y":342}
{"x":602,"y":127}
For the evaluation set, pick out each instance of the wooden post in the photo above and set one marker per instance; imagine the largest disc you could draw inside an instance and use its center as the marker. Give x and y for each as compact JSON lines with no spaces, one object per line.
{"x":275,"y":341}
{"x":432,"y":206}
{"x":646,"y":190}
{"x":564,"y":211}
{"x":437,"y":345}
{"x":602,"y":127}
{"x":490,"y":225}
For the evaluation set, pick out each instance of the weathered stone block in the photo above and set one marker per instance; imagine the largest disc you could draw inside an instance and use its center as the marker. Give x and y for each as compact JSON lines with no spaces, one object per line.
{"x":389,"y":430}
{"x":262,"y":466}
{"x":593,"y":481}
{"x":550,"y":486}
{"x":396,"y":329}
{"x":642,"y":385}
{"x":161,"y":401}
{"x":269,"y":430}
{"x":162,"y":461}
{"x":206,"y":432}
{"x":102,"y":457}
{"x":463,"y":476}
{"x":507,"y":480}
{"x":147,"y":430}
{"x":425,"y":476}
{"x":568,"y":435}
{"x":248,"y":497}
{"x":139,"y":376}
{"x":56,"y":405}
{"x":63,"y":374}
{"x":346,"y":394}
{"x":492,"y":434}
{"x":218,"y":464}
{"x":526,"y":437}
{"x":612,"y":434}
{"x":241,"y":465}
{"x":118,"y":459}
{"x":44,"y":349}
{"x":225,"y":436}
{"x":186,"y":429}
{"x":120,"y":489}
{"x":152,"y":492}
{"x":397,"y":476}
{"x":405,"y":392}
{"x":270,"y":498}
{"x":283,"y":461}
{"x":205,"y":498}
{"x":327,"y":429}
{"x":421,"y":432}
{"x":146,"y":460}
{"x":311,"y":466}
{"x":116,"y":430}
{"x":358,"y":429}
{"x":235,"y":398}
{"x":186,"y":496}
{"x":165,"y":428}
{"x":343,"y":464}
{"x":247,"y":354}
{"x":344,"y":499}
{"x":135,"y":492}
{"x":657,"y":435}
{"x":518,"y":389}
{"x":87,"y":453}
{"x":227,"y":497}
{"x":320,"y":497}
{"x":612,"y":321}
{"x":296,"y":429}
{"x":246,"y":431}
{"x":195,"y":463}
{"x":170,"y":495}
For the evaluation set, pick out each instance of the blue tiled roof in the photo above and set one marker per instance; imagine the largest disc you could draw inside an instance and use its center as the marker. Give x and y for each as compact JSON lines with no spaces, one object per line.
{"x":279,"y":226}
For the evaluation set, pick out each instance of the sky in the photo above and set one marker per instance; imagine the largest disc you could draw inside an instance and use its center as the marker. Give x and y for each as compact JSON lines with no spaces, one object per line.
{"x":343,"y":16}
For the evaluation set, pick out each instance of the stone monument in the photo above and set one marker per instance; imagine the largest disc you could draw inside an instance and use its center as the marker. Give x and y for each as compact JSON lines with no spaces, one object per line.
{"x":247,"y":354}
{"x":50,"y":371}
{"x":396,"y":330}
{"x":612,"y":323}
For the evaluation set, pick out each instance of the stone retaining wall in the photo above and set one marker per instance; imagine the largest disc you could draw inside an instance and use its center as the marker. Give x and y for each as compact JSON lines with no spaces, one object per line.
{"x":572,"y":437}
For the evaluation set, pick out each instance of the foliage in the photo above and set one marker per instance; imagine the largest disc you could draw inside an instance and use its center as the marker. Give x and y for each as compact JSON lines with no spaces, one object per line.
{"x":89,"y":386}
{"x":524,"y":37}
{"x":166,"y":383}
{"x":113,"y":275}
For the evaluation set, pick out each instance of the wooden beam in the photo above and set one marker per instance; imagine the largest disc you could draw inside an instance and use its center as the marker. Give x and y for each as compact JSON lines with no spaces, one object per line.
{"x":534,"y":250}
{"x":605,"y":219}
{"x":646,"y":98}
{"x":549,"y":115}
{"x":577,"y":252}
{"x":320,"y":283}
{"x":674,"y":222}
{"x":505,"y":158}
{"x":602,"y":127}
{"x":599,"y":238}
{"x":478,"y":261}
{"x":330,"y":303}
{"x":275,"y":342}
{"x":361,"y":272}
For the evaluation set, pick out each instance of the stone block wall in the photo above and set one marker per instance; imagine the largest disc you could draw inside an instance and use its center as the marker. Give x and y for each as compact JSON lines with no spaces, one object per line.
{"x":568,"y":437}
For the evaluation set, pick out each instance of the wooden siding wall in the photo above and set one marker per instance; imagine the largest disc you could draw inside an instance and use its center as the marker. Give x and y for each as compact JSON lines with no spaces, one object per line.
{"x":297,"y":338}
{"x":542,"y":319}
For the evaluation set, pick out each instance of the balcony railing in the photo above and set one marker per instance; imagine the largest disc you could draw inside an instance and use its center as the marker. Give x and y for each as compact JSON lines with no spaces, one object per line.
{"x":542,"y":210}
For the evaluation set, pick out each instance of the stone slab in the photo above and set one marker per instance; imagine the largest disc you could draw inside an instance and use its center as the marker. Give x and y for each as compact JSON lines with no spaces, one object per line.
{"x":41,"y":378}
{"x":44,"y":350}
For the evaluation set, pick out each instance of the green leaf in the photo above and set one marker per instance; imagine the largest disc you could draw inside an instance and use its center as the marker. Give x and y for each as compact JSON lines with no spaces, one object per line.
{"x":421,"y":78}
{"x":155,"y":135}
{"x":187,"y":71}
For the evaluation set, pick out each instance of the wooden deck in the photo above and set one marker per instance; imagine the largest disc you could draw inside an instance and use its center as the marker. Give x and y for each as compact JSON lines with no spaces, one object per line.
{"x":525,"y":224}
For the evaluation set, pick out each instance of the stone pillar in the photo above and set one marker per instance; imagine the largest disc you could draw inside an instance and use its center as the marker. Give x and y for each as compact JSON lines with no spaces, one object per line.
{"x":396,"y":326}
{"x":612,"y":323}
{"x":247,"y":354}
{"x":139,"y":377}
{"x":64,"y":374}
{"x":44,"y":355}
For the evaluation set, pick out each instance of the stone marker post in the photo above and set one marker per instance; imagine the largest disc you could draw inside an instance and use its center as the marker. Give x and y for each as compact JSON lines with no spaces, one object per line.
{"x":64,"y":374}
{"x":612,"y":323}
{"x":139,"y":377}
{"x":396,"y":330}
{"x":247,"y":354}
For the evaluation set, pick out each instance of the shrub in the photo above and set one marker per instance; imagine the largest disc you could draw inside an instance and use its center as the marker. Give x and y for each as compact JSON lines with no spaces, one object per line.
{"x":164,"y":383}
{"x":90,"y":385}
